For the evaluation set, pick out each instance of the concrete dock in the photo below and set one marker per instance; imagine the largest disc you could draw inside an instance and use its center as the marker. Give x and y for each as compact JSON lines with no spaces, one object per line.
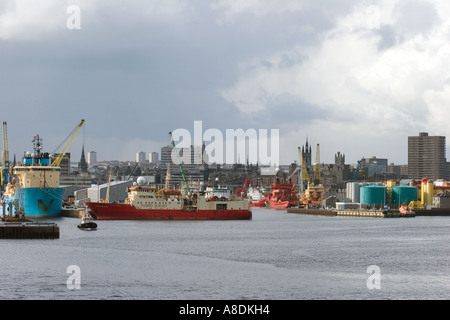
{"x":317,"y":212}
{"x":28,"y":230}
{"x":350,"y":213}
{"x":434,"y":212}
{"x":374,"y":213}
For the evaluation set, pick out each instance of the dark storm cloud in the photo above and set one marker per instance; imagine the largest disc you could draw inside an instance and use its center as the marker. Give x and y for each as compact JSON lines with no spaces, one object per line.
{"x":136,"y":70}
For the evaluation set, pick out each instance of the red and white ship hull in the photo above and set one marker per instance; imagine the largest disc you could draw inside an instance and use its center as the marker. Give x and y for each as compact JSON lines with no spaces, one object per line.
{"x":122,"y":211}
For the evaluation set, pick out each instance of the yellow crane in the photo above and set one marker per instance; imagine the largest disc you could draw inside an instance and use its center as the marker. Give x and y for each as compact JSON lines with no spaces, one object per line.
{"x":69,"y":139}
{"x":317,"y":177}
{"x":314,"y":192}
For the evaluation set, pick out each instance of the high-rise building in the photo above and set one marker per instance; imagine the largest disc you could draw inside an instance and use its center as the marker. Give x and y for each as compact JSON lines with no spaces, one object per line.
{"x":166,"y":156}
{"x":91,"y":157}
{"x":375,"y":166}
{"x":140,"y":157}
{"x":426,"y":157}
{"x":193,"y":164}
{"x":194,"y":156}
{"x":153,"y":157}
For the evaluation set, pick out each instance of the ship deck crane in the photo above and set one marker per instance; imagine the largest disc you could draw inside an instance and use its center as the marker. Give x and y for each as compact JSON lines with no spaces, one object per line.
{"x":298,"y":169}
{"x":108,"y":188}
{"x":6,"y":168}
{"x":166,"y":187}
{"x":69,"y":139}
{"x":181,"y":167}
{"x":132,"y":171}
{"x":242,"y":191}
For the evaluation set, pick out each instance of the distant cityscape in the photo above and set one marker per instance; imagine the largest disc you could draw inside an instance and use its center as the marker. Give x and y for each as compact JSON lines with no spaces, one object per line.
{"x":426,"y":159}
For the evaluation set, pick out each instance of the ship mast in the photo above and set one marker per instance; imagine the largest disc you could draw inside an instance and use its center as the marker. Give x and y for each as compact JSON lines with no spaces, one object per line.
{"x":167,"y":176}
{"x":37,"y":146}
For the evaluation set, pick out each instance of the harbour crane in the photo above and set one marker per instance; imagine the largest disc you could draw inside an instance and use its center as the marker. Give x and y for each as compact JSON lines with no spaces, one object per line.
{"x":69,"y":139}
{"x":6,"y":168}
{"x":355,"y":175}
{"x":317,"y":177}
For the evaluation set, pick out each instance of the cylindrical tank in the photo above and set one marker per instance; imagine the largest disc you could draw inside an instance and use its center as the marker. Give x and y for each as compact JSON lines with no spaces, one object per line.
{"x":423,"y":191}
{"x":391,"y":183}
{"x":403,"y":194}
{"x":353,"y":191}
{"x":373,"y":194}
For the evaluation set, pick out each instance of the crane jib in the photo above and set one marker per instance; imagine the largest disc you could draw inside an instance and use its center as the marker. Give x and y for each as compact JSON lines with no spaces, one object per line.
{"x":179,"y":163}
{"x":67,"y":145}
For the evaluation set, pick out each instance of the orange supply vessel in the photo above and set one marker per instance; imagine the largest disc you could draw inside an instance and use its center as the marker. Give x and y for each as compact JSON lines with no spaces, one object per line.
{"x":284,"y":195}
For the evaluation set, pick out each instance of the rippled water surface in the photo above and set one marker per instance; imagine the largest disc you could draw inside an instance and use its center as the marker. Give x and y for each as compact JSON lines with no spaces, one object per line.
{"x":276,"y":255}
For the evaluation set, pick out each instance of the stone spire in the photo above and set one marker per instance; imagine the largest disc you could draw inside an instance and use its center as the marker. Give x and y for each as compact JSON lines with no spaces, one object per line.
{"x":82,"y":165}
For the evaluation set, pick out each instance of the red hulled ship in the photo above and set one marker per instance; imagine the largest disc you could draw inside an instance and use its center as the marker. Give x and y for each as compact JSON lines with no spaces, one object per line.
{"x":284,"y":195}
{"x":255,"y":195}
{"x":148,"y":203}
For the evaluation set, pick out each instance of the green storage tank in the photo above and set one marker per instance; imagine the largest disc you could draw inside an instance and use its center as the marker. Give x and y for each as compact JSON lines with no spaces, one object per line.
{"x":403,"y":194}
{"x":373,"y":194}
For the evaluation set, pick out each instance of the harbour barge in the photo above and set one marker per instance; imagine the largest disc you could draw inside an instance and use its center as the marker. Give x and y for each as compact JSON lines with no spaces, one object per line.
{"x":28,"y":230}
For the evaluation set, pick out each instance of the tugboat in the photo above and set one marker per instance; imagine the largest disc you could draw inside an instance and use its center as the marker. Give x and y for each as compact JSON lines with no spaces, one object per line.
{"x":405,"y":211}
{"x":87,"y":223}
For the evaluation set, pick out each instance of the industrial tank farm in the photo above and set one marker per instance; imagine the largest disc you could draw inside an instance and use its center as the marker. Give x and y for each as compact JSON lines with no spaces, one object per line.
{"x":403,"y":194}
{"x":373,"y":195}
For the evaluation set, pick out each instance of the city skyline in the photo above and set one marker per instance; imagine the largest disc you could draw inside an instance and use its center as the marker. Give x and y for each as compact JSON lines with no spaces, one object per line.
{"x":141,"y":156}
{"x":354,"y":76}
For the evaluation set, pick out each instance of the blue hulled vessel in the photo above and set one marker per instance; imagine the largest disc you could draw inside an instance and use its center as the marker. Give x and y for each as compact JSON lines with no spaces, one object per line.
{"x":34,"y":190}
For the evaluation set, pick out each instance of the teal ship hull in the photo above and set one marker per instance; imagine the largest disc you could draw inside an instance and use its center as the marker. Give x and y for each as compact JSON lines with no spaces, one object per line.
{"x":35,"y":202}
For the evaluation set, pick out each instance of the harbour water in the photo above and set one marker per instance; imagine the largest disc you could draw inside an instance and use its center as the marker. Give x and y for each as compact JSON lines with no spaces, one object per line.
{"x":275,"y":256}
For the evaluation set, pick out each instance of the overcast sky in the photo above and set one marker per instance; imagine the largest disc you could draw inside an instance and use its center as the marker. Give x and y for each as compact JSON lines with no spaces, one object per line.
{"x":357,"y":77}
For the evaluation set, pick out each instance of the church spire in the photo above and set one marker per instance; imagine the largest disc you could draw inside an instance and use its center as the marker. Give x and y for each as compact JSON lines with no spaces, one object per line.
{"x":82,"y":166}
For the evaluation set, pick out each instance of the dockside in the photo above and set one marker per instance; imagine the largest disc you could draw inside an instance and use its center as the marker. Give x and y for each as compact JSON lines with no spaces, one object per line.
{"x":28,"y":230}
{"x":434,"y":212}
{"x":352,"y":213}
